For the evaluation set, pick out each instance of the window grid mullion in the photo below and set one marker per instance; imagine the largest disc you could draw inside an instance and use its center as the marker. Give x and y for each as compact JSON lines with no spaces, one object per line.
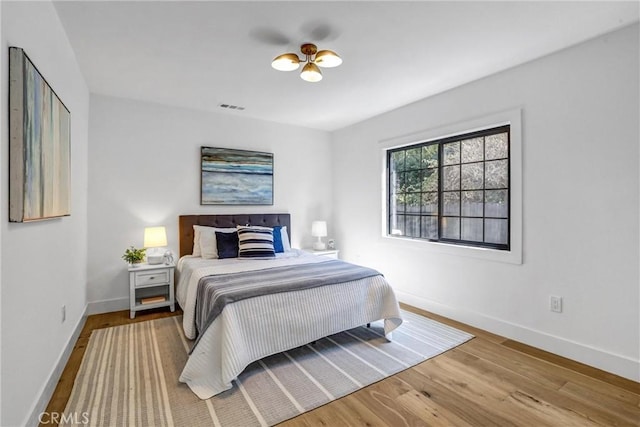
{"x":440,"y":211}
{"x":484,"y":186}
{"x":422,"y":173}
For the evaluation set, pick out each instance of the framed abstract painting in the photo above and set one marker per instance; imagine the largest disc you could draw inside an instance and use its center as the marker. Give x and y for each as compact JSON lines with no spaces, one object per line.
{"x":39,"y":145}
{"x":235,"y":177}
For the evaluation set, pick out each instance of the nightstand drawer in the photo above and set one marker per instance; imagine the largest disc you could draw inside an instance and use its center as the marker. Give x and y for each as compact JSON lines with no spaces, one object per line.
{"x":152,"y":278}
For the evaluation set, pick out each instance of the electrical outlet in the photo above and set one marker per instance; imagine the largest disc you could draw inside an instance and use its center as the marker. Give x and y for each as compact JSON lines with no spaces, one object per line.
{"x":63,"y":313}
{"x":555,"y":304}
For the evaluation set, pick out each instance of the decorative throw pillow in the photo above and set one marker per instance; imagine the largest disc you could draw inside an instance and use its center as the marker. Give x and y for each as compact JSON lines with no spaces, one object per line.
{"x":277,"y":239}
{"x":227,"y":244}
{"x":255,"y":242}
{"x":285,"y":239}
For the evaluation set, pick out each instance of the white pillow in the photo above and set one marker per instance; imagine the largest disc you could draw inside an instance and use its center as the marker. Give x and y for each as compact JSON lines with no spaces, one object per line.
{"x":208,"y":245}
{"x":211,"y":244}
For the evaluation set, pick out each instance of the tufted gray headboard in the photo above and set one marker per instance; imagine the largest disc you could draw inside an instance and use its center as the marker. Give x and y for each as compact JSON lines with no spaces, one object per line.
{"x":186,"y":223}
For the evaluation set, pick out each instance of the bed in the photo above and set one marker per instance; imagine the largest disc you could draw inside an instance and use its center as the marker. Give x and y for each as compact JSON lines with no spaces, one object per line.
{"x":248,"y":329}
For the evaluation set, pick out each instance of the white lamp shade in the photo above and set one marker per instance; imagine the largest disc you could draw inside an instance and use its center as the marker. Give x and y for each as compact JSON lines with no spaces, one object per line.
{"x":311,"y":73}
{"x":286,"y":62}
{"x":319,"y":228}
{"x":327,"y":59}
{"x":155,"y":237}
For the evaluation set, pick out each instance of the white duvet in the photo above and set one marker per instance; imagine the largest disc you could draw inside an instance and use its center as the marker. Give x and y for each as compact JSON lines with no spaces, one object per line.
{"x":254,"y":328}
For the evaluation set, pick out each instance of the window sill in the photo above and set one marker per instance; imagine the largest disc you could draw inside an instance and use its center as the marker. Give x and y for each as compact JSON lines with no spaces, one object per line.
{"x":513,"y":256}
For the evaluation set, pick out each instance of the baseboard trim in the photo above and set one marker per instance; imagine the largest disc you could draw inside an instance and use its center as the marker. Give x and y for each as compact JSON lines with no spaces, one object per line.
{"x":107,"y":306}
{"x":45,"y":396}
{"x":620,"y":365}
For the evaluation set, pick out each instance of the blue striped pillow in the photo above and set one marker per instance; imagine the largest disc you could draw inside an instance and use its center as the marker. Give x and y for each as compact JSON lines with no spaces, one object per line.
{"x":255,"y":242}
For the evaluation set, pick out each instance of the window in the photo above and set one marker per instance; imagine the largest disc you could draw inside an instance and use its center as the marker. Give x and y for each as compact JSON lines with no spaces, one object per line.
{"x":453,"y":190}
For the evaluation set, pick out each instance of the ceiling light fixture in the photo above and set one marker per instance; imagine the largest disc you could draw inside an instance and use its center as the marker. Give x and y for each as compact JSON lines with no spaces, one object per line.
{"x":313,"y":59}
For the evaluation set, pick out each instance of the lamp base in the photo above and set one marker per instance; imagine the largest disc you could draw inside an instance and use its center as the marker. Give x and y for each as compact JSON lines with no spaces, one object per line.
{"x":319,"y":246}
{"x":155,"y":259}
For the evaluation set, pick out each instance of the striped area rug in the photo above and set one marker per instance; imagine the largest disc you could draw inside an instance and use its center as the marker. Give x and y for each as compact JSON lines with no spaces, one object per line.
{"x":129,"y":374}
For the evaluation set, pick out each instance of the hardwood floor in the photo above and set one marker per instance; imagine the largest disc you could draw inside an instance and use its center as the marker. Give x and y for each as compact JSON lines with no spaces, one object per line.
{"x":488,"y":381}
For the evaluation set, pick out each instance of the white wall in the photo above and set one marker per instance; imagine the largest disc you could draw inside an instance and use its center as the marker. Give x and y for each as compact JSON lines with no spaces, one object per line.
{"x":144,"y":169}
{"x":2,"y":185}
{"x":43,"y":263}
{"x":580,"y":199}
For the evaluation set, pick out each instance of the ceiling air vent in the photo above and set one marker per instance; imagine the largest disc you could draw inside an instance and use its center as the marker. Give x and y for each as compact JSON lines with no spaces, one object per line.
{"x":231,"y":107}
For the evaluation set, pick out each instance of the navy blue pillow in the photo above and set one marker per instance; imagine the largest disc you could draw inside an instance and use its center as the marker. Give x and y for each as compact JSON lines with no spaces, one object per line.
{"x":277,"y":239}
{"x":227,"y":244}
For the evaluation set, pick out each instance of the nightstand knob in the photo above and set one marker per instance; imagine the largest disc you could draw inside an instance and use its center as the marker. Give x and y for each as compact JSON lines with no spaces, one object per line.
{"x":151,"y":278}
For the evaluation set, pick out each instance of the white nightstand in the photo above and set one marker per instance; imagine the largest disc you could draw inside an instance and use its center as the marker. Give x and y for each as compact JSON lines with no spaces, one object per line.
{"x":331,"y":253}
{"x":151,"y":286}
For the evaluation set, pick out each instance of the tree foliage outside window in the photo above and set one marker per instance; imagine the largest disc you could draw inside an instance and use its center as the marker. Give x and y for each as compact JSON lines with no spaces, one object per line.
{"x":453,"y":190}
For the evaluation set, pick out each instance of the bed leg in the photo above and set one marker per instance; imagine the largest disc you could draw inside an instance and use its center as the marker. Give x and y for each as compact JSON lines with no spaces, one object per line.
{"x":368,"y":325}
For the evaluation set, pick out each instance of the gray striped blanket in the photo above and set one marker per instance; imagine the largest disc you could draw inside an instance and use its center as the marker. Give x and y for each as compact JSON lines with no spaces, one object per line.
{"x":216,"y":291}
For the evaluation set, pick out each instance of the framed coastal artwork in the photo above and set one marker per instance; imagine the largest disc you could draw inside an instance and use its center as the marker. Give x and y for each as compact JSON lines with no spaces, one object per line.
{"x":235,"y":177}
{"x":39,"y":145}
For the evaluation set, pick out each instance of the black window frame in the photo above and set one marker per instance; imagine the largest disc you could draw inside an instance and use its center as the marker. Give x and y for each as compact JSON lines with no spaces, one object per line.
{"x":440,"y":191}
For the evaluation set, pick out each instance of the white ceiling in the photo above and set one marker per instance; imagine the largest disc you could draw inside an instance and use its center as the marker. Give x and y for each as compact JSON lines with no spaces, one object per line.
{"x":200,"y":54}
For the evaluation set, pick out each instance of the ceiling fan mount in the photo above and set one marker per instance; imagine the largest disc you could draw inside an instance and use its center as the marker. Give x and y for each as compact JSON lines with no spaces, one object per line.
{"x":309,"y":49}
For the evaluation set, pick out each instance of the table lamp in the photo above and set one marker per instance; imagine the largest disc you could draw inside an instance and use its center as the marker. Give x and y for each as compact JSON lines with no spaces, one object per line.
{"x":154,"y":239}
{"x":319,"y":230}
